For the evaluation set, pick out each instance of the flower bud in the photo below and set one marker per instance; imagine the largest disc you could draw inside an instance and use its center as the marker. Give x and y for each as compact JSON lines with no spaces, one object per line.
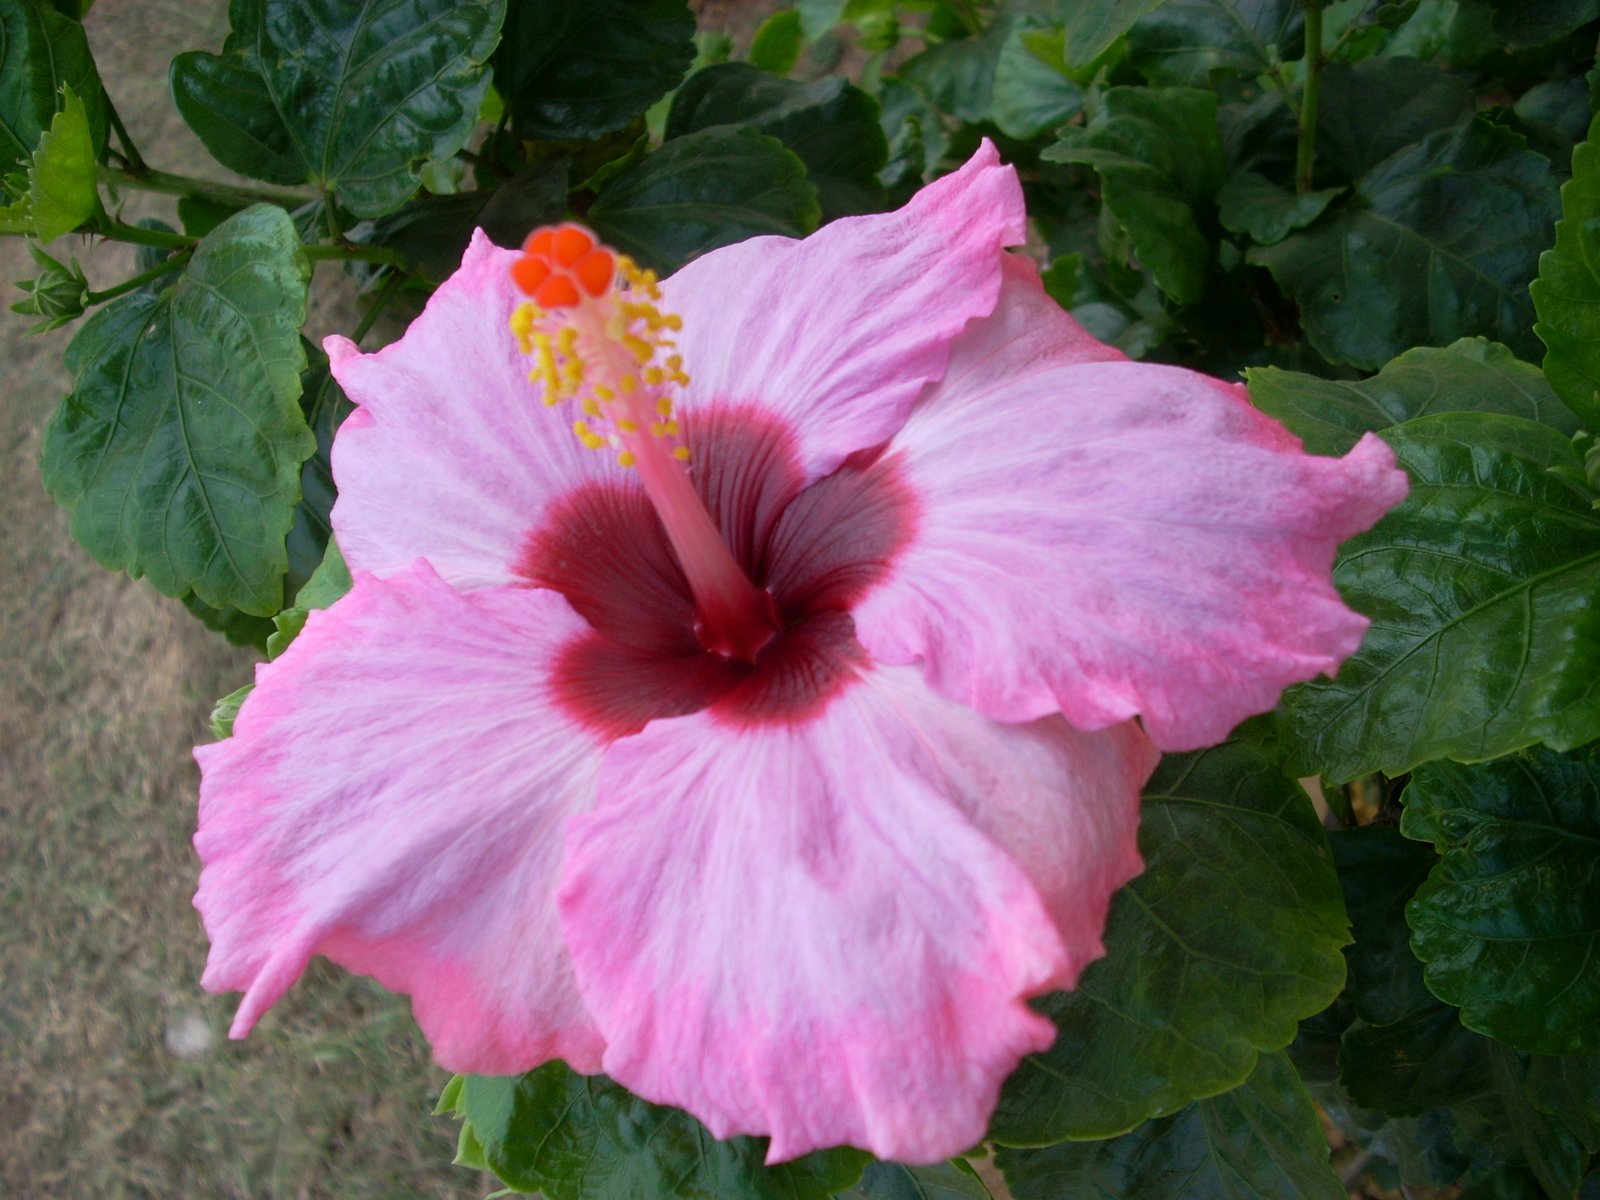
{"x":60,"y":293}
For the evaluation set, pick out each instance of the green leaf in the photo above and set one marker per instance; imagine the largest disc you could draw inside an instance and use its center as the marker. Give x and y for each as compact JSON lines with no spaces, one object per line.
{"x":1437,"y":242}
{"x":431,"y":232}
{"x":1032,"y":94}
{"x":830,"y":125}
{"x":1200,"y":43}
{"x":1508,"y":923}
{"x":61,"y":192}
{"x":895,"y":1181}
{"x":1159,"y":157}
{"x":1567,"y":292}
{"x":325,"y":407}
{"x":240,"y":628}
{"x":328,"y":582}
{"x":1252,"y":204}
{"x":577,"y":69}
{"x":226,"y":710}
{"x":1260,"y":1140}
{"x":1485,"y":635}
{"x":576,"y":1137}
{"x":1425,"y":1060}
{"x":703,"y":190}
{"x":1092,"y":26}
{"x":1473,"y":375}
{"x":997,"y":76}
{"x":178,"y":451}
{"x":777,"y":43}
{"x":1505,"y":1127}
{"x":1230,"y":937}
{"x":1569,"y":1088}
{"x":1379,"y":107}
{"x":1379,"y":871}
{"x":40,"y":50}
{"x":1535,"y":22}
{"x":351,"y":97}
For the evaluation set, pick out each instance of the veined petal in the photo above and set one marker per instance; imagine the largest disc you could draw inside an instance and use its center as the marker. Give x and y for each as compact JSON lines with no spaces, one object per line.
{"x":451,"y":456}
{"x":836,"y":334}
{"x":394,"y":797}
{"x":825,"y":930}
{"x":1112,"y":538}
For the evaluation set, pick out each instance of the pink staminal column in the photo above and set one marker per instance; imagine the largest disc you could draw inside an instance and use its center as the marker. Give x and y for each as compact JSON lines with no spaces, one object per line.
{"x":597,"y":338}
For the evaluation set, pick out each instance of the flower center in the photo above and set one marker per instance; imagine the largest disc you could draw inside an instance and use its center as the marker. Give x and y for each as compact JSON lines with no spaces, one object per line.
{"x":598,"y":340}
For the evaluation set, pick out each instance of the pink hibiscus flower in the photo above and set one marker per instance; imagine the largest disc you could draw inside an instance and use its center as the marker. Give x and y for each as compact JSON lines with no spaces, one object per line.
{"x":772,"y":786}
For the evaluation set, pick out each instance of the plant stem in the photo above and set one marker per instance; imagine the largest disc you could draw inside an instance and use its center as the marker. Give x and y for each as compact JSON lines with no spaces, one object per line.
{"x":150,"y":180}
{"x":331,"y":212}
{"x":372,"y":254}
{"x":379,"y":302}
{"x":139,"y":280}
{"x":139,"y":236}
{"x":1306,"y":152}
{"x":129,"y":150}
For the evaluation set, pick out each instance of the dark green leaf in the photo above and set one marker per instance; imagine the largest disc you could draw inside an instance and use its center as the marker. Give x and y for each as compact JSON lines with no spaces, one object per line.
{"x":1509,"y":921}
{"x":1032,"y":93}
{"x":351,"y":97}
{"x":894,"y":1181}
{"x":1438,"y":242}
{"x":1379,"y":107}
{"x":1230,"y":937}
{"x":431,"y":232}
{"x":1425,"y":1060}
{"x":1534,"y":22}
{"x":325,"y":407}
{"x":1480,"y":585}
{"x":1568,"y":1088}
{"x":703,"y":190}
{"x":240,"y":628}
{"x":1093,"y":25}
{"x":1473,"y":375}
{"x":1379,"y":870}
{"x":777,"y":43}
{"x":576,"y":1137}
{"x":1567,"y":292}
{"x":1197,"y":43}
{"x":831,"y":126}
{"x":1159,"y":158}
{"x":178,"y":452}
{"x":1504,"y":1128}
{"x":1252,"y":204}
{"x":574,"y":69}
{"x":40,"y":49}
{"x":958,"y":75}
{"x":1261,"y":1140}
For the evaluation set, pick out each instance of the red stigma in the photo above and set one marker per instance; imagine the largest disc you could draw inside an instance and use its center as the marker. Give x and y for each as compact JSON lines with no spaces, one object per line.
{"x":561,"y":264}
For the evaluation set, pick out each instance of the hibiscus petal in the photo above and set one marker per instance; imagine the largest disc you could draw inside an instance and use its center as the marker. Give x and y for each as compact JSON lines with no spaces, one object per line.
{"x":837,"y":334}
{"x":451,"y":456}
{"x":394,"y":797}
{"x":824,"y":930}
{"x":1111,"y":538}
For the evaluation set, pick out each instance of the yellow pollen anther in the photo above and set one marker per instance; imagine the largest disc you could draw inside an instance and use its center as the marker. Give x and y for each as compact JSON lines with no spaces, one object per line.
{"x":602,"y":343}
